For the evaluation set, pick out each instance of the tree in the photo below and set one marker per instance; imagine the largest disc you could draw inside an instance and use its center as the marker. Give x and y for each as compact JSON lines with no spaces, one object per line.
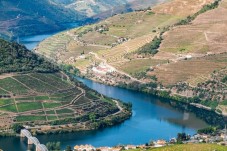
{"x":68,"y":148}
{"x":53,"y":146}
{"x":16,"y":58}
{"x":92,"y":117}
{"x":182,"y":137}
{"x":17,"y":128}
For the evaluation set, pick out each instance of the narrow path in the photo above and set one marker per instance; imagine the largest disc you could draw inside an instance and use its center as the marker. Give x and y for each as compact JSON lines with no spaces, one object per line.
{"x":120,"y":108}
{"x":15,"y":103}
{"x":56,"y":114}
{"x":44,"y":111}
{"x":22,"y":84}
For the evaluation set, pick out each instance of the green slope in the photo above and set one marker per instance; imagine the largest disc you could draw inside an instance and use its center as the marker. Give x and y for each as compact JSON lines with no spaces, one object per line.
{"x":16,"y":58}
{"x":36,"y":92}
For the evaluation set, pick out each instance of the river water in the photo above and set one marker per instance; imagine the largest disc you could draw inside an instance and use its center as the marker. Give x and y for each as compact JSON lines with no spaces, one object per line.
{"x":152,"y":118}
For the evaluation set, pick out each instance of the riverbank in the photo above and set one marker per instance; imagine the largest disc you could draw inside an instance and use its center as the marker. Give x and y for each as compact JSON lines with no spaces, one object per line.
{"x":183,"y":103}
{"x":217,"y":137}
{"x":151,"y":118}
{"x":104,"y":66}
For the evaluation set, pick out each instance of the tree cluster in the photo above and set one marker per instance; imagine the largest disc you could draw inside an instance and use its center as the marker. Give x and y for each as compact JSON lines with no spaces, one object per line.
{"x":16,"y":58}
{"x":203,"y":10}
{"x":152,"y":47}
{"x":53,"y":146}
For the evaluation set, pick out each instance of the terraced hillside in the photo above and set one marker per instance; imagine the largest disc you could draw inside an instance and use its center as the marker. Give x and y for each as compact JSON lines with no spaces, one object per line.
{"x":25,"y":17}
{"x":177,"y":47}
{"x":114,"y":37}
{"x":50,"y":100}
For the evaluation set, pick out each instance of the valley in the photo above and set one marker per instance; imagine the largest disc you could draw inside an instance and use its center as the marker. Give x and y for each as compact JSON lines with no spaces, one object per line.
{"x":44,"y":99}
{"x":24,"y":17}
{"x":128,"y":72}
{"x":170,"y":49}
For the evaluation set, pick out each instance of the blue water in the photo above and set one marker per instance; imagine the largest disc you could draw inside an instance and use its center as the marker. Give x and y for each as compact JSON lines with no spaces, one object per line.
{"x":32,"y":41}
{"x":151,"y":120}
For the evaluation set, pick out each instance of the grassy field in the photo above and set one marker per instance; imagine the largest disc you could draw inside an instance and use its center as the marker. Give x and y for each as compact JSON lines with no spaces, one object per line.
{"x":8,"y":108}
{"x":50,"y":112}
{"x":30,"y":118}
{"x":190,"y":147}
{"x":29,"y":106}
{"x":51,"y":105}
{"x":62,"y":111}
{"x":6,"y":101}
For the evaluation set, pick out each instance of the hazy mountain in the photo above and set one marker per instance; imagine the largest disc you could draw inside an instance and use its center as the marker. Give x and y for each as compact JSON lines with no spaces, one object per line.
{"x":94,"y":7}
{"x":25,"y":17}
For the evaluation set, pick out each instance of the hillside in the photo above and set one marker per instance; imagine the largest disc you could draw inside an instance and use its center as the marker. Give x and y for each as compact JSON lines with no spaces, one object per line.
{"x":45,"y":99}
{"x":26,"y":17}
{"x":176,"y":48}
{"x":107,"y":8}
{"x":16,"y":58}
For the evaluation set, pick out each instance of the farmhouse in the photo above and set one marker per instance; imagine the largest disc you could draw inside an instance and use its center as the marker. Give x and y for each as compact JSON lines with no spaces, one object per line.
{"x":103,"y":69}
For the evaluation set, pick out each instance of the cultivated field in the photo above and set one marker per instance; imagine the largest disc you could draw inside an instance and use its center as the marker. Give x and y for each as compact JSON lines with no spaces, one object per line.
{"x":137,"y":27}
{"x":206,"y":34}
{"x":140,"y":65}
{"x":181,"y":7}
{"x":193,"y":71}
{"x":113,"y":39}
{"x":45,"y":98}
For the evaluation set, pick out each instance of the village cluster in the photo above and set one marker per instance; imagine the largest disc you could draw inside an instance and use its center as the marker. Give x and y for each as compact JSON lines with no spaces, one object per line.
{"x":219,"y":138}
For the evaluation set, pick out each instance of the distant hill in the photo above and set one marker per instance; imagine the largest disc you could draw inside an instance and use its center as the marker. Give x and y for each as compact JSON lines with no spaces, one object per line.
{"x":16,"y":58}
{"x":27,"y":17}
{"x":100,"y":9}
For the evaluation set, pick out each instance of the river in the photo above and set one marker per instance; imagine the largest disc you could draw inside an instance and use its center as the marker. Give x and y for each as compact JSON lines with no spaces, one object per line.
{"x":152,"y":119}
{"x":32,"y":41}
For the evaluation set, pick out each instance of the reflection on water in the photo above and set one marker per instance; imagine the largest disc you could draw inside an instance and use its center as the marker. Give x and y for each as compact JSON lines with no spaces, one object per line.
{"x":152,"y":119}
{"x":32,"y":41}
